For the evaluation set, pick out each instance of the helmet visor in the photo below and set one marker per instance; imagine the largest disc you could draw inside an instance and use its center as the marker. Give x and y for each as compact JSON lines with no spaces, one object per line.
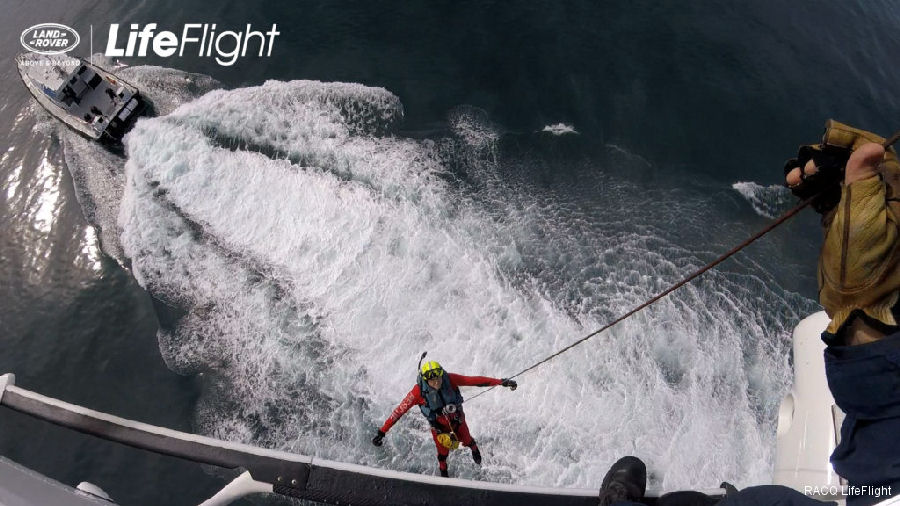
{"x":432,"y":373}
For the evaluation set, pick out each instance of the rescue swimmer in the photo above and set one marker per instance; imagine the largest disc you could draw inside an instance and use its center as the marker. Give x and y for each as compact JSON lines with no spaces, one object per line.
{"x":437,"y":395}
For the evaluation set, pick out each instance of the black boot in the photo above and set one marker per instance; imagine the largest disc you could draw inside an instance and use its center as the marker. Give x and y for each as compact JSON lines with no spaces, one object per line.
{"x":626,"y":480}
{"x":444,"y":473}
{"x":476,"y":455}
{"x":729,"y":488}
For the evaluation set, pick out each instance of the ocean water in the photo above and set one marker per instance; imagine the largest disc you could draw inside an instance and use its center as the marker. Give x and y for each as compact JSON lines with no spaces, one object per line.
{"x":487,"y":181}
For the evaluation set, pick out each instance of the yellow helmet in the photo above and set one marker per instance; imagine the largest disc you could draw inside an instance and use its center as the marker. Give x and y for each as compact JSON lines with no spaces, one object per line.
{"x":431,"y":370}
{"x":448,"y":441}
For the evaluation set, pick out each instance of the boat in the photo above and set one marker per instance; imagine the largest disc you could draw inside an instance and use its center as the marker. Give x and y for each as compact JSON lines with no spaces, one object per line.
{"x":92,"y":101}
{"x":807,"y":431}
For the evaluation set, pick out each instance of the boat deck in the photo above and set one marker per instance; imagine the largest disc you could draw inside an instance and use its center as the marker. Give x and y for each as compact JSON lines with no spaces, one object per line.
{"x":94,"y":97}
{"x":84,"y":96}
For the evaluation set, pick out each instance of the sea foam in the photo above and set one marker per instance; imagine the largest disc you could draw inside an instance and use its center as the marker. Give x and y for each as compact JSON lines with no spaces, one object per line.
{"x":316,"y":255}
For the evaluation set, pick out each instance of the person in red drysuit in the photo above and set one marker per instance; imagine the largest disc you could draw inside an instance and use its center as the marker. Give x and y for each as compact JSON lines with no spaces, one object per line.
{"x":437,"y":395}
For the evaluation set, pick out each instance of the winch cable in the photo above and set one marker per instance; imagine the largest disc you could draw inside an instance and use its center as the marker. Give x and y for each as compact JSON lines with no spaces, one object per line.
{"x":781,"y":219}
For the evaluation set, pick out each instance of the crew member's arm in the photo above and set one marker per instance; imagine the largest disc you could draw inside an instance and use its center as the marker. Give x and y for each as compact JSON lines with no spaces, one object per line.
{"x":859,"y":241}
{"x":413,"y":398}
{"x":458,"y":380}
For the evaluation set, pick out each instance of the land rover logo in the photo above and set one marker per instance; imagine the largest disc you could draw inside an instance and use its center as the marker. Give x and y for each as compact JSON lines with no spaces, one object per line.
{"x":50,"y":38}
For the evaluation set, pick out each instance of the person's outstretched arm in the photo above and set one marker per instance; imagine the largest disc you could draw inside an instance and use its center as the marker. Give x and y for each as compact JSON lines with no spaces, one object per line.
{"x":480,"y":381}
{"x":413,"y":398}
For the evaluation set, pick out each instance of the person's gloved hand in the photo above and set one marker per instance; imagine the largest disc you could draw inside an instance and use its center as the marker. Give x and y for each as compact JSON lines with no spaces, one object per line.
{"x":820,"y":168}
{"x":817,"y":170}
{"x":508,"y":383}
{"x":378,"y":439}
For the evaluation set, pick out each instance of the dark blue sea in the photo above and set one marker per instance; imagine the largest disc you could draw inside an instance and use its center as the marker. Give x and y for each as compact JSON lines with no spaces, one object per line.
{"x":267,"y":257}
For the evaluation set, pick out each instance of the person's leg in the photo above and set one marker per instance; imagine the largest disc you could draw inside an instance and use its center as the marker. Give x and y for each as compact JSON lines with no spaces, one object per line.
{"x":687,"y":498}
{"x":462,"y":433}
{"x":865,"y":383}
{"x":442,"y":452}
{"x":769,"y":494}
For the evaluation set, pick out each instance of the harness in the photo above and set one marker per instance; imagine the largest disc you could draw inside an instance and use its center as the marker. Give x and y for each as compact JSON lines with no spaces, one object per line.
{"x":437,"y":399}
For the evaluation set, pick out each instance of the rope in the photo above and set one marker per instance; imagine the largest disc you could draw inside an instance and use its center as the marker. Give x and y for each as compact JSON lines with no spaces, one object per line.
{"x":894,"y":138}
{"x":781,"y":219}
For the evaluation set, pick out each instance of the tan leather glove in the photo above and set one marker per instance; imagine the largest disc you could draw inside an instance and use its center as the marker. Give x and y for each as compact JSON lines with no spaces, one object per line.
{"x":859,"y":266}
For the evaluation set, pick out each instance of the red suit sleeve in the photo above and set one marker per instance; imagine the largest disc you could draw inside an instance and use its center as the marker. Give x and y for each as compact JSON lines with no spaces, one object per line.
{"x":413,"y":398}
{"x":458,"y":380}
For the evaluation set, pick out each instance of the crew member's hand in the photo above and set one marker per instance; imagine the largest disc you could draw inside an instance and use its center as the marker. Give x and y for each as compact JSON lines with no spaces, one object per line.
{"x":508,"y":383}
{"x":378,"y":439}
{"x":863,"y":163}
